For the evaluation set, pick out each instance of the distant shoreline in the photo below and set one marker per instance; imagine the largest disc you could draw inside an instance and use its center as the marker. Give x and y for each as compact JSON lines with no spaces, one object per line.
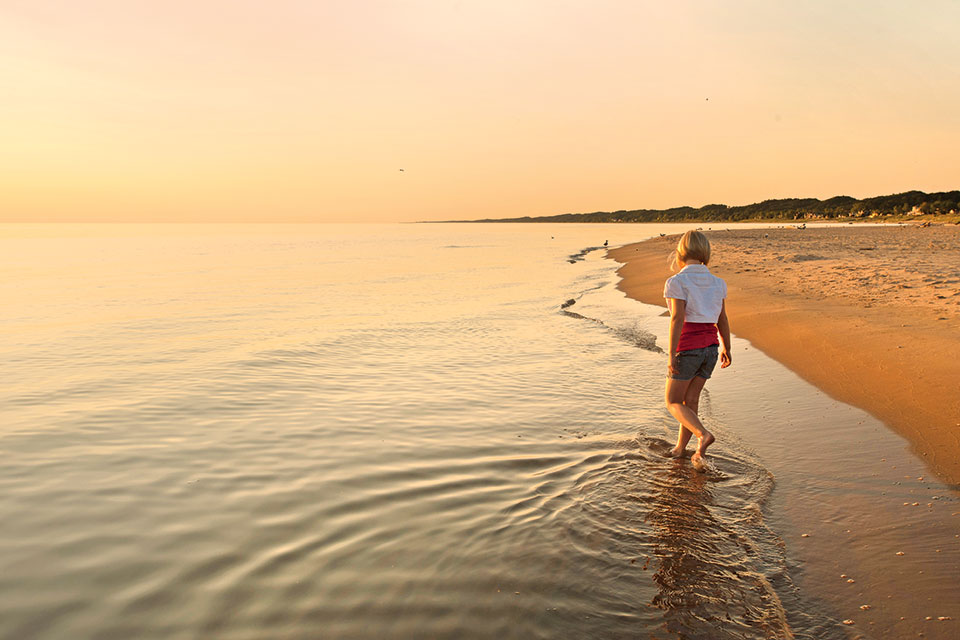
{"x":911,"y":205}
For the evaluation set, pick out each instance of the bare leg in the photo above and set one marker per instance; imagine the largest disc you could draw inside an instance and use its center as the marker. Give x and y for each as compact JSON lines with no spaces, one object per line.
{"x":691,"y":399}
{"x":683,"y":435}
{"x":675,"y":395}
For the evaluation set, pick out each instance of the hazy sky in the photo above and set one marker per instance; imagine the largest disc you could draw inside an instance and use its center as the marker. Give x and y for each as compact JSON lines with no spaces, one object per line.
{"x":307,"y":110}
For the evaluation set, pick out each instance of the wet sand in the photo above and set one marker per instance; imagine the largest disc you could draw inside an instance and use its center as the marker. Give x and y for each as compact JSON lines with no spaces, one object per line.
{"x":871,"y":315}
{"x":865,"y":526}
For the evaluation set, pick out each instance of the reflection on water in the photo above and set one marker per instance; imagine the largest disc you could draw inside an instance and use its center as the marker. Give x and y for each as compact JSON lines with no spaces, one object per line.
{"x":357,"y":432}
{"x":715,"y":562}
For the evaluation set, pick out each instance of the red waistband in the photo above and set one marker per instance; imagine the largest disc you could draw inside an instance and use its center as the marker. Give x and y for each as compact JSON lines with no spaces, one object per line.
{"x":697,"y":335}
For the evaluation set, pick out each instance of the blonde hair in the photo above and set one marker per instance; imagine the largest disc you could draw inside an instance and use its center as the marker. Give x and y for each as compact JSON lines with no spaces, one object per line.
{"x":693,"y":245}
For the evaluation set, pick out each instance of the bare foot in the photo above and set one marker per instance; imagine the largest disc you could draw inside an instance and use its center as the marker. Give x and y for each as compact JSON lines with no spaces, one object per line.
{"x":676,"y":452}
{"x":697,"y":459}
{"x":698,"y":462}
{"x":705,"y":442}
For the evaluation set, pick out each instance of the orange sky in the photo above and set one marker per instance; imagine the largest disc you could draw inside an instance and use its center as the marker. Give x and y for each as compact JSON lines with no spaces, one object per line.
{"x":241,"y":110}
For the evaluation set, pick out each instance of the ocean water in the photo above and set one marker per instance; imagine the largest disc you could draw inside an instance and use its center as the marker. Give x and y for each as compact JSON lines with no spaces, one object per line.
{"x":367,"y":431}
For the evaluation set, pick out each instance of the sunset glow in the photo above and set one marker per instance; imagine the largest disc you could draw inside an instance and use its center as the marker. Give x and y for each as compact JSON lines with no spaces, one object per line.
{"x":307,"y":111}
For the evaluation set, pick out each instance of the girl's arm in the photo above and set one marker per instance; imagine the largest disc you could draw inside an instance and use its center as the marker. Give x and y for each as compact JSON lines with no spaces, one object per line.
{"x":723,"y":325}
{"x":678,"y":310}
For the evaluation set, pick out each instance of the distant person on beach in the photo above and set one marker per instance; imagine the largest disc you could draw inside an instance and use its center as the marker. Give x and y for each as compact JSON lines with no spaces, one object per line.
{"x":697,"y":312}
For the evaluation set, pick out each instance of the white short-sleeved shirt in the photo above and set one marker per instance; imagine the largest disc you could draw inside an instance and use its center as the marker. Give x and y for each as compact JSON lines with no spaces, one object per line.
{"x":703,"y":292}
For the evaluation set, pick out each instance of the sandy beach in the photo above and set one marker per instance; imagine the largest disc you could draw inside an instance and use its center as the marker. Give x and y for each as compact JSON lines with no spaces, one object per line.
{"x":871,"y":315}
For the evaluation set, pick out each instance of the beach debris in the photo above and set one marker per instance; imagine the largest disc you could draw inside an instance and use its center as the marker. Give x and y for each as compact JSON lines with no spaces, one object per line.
{"x":804,"y":535}
{"x":929,"y":618}
{"x":848,"y":621}
{"x":851,"y":580}
{"x":942,"y":618}
{"x":916,"y":504}
{"x":900,"y":553}
{"x":843,"y":575}
{"x":865,"y":607}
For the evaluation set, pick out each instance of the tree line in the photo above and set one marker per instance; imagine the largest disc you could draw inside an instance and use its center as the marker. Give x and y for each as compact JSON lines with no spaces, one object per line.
{"x":908,"y":203}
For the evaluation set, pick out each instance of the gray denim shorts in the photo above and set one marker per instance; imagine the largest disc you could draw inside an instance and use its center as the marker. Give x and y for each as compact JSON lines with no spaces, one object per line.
{"x":696,"y":362}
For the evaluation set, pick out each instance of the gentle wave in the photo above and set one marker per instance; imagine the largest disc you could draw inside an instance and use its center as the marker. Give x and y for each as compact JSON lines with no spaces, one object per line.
{"x":295,"y":442}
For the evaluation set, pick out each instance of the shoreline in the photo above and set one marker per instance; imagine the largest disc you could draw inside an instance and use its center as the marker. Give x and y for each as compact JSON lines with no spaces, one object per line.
{"x":869,"y":315}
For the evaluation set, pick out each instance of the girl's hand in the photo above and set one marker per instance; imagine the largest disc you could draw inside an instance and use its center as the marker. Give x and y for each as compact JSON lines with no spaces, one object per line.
{"x":725,"y":359}
{"x":672,"y":367}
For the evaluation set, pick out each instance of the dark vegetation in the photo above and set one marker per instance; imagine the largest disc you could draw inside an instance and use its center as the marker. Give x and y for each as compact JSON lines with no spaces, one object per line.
{"x":911,"y":203}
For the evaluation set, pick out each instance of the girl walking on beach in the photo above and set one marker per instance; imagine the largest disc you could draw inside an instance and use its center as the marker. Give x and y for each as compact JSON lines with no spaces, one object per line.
{"x":697,"y":312}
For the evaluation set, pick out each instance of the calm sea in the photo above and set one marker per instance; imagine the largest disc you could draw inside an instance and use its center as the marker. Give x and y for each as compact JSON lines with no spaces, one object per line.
{"x":363,"y":431}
